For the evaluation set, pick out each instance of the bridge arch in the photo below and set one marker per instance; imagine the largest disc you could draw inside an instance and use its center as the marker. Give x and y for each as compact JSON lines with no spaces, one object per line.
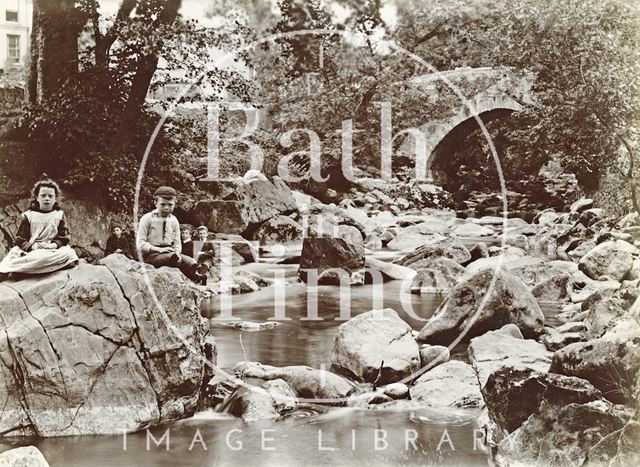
{"x":502,"y":91}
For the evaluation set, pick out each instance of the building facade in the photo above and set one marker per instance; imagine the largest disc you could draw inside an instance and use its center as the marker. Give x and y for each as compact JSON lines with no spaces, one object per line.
{"x":15,"y":31}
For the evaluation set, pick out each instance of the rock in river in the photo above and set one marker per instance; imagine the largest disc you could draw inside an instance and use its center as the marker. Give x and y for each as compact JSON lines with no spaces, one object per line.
{"x":508,"y":301}
{"x":451,"y":384}
{"x":376,"y":346}
{"x":450,"y":248}
{"x":305,"y":381}
{"x":25,"y":456}
{"x":328,"y":257}
{"x":613,"y":259}
{"x":512,"y":394}
{"x":88,"y":351}
{"x":506,"y":348}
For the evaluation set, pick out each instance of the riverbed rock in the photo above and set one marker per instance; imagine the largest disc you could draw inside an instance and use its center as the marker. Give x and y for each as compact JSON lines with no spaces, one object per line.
{"x":91,"y":350}
{"x":471,"y":230}
{"x":432,"y":355}
{"x":396,"y":390}
{"x":350,"y":234}
{"x":330,"y":253}
{"x":279,"y":230}
{"x":510,"y":259}
{"x":561,"y":437}
{"x":506,"y":347}
{"x":451,"y":384}
{"x":389,"y":271}
{"x":509,"y":301}
{"x":376,"y":346}
{"x":261,"y":199}
{"x":305,"y":381}
{"x":251,"y":202}
{"x":610,"y":362}
{"x":436,"y":275}
{"x":604,"y":310}
{"x":410,"y":241}
{"x":555,"y":289}
{"x":581,"y":205}
{"x":612,"y":259}
{"x":450,"y":248}
{"x":253,"y":404}
{"x":534,"y":273}
{"x":25,"y":456}
{"x":554,"y":340}
{"x":220,"y":216}
{"x":477,"y":251}
{"x":446,"y":272}
{"x":513,"y":394}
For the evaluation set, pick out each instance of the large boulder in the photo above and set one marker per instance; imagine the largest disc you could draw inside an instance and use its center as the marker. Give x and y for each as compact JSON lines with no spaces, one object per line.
{"x":513,"y":394}
{"x":25,"y":456}
{"x":261,"y":199}
{"x":534,"y":273}
{"x":279,"y":230}
{"x":376,"y":346}
{"x":450,"y":384}
{"x":94,"y":350}
{"x":329,"y":257}
{"x":613,"y":259}
{"x":610,"y":362}
{"x":410,"y":241}
{"x":561,"y":436}
{"x":477,"y":306}
{"x":436,"y":275}
{"x":509,"y":259}
{"x":450,"y":248}
{"x":389,"y":270}
{"x":305,"y":381}
{"x":471,"y":230}
{"x":251,"y":202}
{"x":506,"y":348}
{"x":266,"y":402}
{"x":581,"y":205}
{"x":220,"y":216}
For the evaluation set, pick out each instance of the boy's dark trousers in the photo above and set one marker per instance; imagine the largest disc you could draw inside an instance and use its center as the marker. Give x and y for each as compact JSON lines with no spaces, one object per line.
{"x":188,"y":265}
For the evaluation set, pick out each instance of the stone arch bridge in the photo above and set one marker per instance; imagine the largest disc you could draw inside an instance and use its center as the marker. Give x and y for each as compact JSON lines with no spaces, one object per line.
{"x":491,"y":93}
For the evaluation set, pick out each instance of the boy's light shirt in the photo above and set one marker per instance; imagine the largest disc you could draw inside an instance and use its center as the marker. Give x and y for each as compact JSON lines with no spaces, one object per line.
{"x":150,"y":232}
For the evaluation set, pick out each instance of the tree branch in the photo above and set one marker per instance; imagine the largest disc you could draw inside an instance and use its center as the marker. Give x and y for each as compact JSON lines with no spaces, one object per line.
{"x":104,"y":43}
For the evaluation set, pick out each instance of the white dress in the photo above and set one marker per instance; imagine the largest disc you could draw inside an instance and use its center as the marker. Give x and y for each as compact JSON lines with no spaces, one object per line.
{"x":43,"y":228}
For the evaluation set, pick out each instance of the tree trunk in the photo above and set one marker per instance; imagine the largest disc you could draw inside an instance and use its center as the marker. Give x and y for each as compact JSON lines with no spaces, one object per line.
{"x":54,"y":48}
{"x":146,"y":68}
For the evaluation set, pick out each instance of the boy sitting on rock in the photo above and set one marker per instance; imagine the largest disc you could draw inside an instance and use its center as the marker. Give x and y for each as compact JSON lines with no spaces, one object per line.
{"x":118,"y":242}
{"x":158,"y":236}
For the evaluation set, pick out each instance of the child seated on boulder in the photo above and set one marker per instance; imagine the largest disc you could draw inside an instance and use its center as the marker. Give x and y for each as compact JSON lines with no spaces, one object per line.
{"x":118,"y":242}
{"x":42,"y":240}
{"x":158,"y":237}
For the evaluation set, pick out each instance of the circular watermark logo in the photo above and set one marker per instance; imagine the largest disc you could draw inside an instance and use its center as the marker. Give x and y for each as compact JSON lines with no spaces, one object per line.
{"x":256,"y":158}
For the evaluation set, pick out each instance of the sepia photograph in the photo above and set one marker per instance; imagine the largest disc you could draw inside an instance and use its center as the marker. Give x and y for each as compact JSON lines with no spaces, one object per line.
{"x":319,"y":232}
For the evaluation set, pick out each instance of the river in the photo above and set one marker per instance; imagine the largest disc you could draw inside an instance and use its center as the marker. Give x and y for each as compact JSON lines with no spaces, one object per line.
{"x":309,"y":436}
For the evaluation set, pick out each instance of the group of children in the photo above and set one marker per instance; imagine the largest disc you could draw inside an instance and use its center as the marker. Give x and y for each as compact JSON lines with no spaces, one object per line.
{"x":42,"y":240}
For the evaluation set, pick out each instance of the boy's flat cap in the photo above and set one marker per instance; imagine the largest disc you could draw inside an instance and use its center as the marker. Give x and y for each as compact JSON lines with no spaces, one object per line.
{"x":202,"y":227}
{"x":166,"y":191}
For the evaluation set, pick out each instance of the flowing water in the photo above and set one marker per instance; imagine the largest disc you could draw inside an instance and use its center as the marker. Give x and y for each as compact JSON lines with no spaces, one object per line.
{"x":312,"y":435}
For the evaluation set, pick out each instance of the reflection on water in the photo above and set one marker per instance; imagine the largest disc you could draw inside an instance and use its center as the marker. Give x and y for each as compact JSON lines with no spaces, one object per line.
{"x":343,"y":437}
{"x":298,"y":340}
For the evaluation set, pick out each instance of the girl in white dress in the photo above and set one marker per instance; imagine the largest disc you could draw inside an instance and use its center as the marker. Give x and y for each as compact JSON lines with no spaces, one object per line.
{"x":42,"y":241}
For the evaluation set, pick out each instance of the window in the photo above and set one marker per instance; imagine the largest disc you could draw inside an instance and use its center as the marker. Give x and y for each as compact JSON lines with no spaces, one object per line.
{"x":10,"y":15}
{"x":13,"y":48}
